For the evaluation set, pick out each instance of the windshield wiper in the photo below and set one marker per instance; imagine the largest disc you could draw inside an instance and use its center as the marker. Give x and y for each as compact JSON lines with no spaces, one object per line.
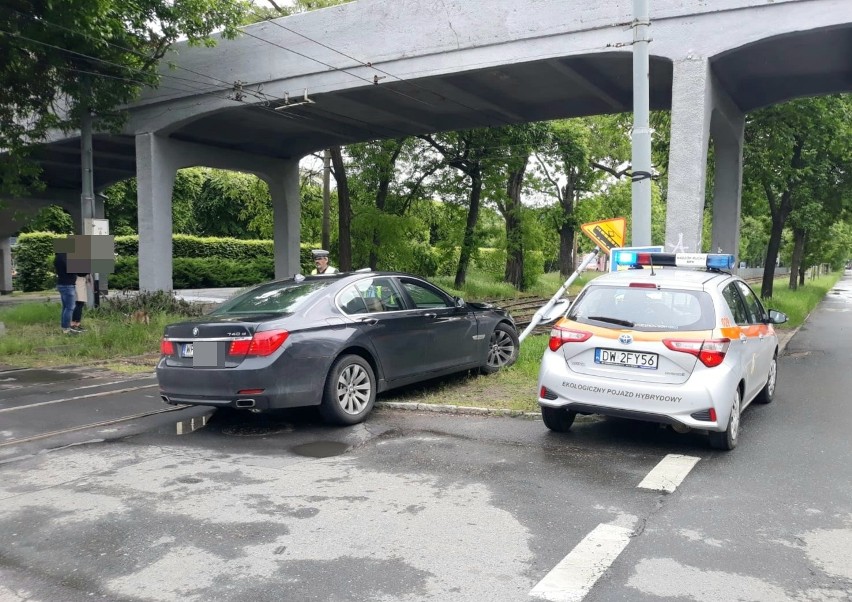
{"x":627,"y":323}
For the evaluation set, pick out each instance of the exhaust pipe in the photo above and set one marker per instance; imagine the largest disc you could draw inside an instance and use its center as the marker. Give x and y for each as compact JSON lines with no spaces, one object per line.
{"x":244,"y":403}
{"x":166,"y":399}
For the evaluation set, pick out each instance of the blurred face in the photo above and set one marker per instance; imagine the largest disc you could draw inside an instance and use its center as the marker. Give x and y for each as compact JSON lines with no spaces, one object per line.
{"x":321,"y":263}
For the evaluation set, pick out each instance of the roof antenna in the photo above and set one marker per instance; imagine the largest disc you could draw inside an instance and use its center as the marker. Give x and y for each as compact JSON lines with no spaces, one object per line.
{"x":651,"y":257}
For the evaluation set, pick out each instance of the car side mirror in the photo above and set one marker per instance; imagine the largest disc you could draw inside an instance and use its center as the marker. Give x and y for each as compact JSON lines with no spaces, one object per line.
{"x":557,"y":311}
{"x":777,"y":317}
{"x":459,"y":301}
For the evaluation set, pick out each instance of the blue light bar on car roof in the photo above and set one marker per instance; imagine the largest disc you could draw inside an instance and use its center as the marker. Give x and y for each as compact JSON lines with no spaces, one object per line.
{"x":711,"y":261}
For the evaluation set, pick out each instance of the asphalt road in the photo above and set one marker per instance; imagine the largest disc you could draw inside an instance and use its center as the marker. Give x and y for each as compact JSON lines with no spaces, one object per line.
{"x":426,"y":506}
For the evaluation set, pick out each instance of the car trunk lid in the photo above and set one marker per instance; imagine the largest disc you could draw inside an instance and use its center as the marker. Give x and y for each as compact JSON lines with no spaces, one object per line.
{"x":219,"y":343}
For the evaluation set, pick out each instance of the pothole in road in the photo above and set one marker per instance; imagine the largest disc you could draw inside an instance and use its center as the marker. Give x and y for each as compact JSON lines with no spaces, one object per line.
{"x":321,"y":449}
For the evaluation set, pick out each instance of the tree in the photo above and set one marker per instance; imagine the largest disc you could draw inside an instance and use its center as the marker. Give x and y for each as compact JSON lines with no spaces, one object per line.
{"x":60,"y":58}
{"x":52,"y":218}
{"x":575,"y":163}
{"x":518,"y":142}
{"x":469,"y":152}
{"x":790,"y":150}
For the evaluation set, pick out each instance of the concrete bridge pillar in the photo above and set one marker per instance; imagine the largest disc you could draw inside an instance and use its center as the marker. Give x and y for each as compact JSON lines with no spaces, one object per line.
{"x":727,"y":134}
{"x":701,"y":110}
{"x":5,"y":265}
{"x":286,"y":210}
{"x":690,"y":133}
{"x":156,"y":167}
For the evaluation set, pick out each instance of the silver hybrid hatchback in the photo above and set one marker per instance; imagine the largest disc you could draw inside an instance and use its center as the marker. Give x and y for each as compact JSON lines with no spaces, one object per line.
{"x":686,"y":347}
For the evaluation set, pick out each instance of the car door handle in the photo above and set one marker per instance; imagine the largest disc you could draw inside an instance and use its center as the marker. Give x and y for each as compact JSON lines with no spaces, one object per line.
{"x":370,"y":321}
{"x":430,"y":315}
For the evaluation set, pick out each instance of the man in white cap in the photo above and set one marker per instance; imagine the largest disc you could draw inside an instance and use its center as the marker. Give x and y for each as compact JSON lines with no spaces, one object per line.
{"x":321,"y":261}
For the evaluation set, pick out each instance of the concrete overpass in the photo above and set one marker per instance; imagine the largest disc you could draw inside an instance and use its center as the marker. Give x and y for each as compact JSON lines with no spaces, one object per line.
{"x":379,"y":69}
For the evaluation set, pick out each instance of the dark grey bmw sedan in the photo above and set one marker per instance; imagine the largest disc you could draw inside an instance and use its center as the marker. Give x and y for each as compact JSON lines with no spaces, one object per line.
{"x":332,"y":341}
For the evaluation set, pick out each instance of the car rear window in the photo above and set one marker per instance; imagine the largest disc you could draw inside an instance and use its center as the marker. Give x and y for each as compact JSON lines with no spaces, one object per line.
{"x":648,"y":309}
{"x":275,"y":297}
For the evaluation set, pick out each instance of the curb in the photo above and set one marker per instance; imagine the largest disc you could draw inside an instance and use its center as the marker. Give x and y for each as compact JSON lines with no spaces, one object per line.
{"x":452,"y":409}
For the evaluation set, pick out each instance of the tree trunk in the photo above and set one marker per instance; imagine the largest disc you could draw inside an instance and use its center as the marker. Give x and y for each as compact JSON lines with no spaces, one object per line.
{"x":802,"y":271}
{"x":514,"y":273}
{"x":780,"y":210}
{"x":771,"y":258}
{"x":326,"y":199}
{"x":567,"y":234}
{"x":344,"y":217}
{"x":469,"y":240}
{"x":385,"y":177}
{"x":566,"y":249}
{"x":798,"y":255}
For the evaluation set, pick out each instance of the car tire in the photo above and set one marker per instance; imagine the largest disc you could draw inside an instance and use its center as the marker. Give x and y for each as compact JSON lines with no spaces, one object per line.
{"x":502,"y":349}
{"x":350,"y":391}
{"x":767,"y":393}
{"x":727,"y":439}
{"x":557,"y":420}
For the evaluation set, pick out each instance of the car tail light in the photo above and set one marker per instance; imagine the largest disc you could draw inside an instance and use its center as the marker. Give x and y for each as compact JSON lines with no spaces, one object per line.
{"x":239,"y":347}
{"x":167,"y":347}
{"x":711,"y":352}
{"x":559,"y":336}
{"x":261,"y":344}
{"x":642,"y":285}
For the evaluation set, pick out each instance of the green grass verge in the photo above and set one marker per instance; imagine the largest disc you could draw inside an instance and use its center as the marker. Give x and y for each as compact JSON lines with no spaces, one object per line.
{"x":798,"y":304}
{"x":34,"y":338}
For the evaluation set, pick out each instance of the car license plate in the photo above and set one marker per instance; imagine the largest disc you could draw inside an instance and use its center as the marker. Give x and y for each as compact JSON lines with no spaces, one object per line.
{"x":613,"y":357}
{"x":187,"y":350}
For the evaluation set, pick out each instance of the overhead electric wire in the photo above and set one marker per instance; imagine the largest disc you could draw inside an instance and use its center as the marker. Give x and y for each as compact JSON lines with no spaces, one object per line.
{"x":210,"y":92}
{"x":371,"y":66}
{"x":332,"y":67}
{"x":141,"y":55}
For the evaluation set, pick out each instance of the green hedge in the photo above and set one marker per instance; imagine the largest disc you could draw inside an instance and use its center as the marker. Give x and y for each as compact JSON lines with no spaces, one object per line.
{"x":225,"y":262}
{"x":34,"y":261}
{"x":184,"y":245}
{"x":198,"y":272}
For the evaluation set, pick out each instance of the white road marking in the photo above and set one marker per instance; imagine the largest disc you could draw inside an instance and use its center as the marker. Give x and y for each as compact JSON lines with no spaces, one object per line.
{"x":113,"y":382}
{"x":669,"y":473}
{"x":576,"y":574}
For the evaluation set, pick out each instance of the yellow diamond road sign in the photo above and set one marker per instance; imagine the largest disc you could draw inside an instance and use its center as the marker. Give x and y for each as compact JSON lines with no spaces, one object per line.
{"x":607,"y":234}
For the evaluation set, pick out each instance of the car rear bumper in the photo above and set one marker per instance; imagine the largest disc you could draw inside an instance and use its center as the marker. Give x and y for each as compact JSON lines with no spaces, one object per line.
{"x":687,"y":403}
{"x":298,"y":385}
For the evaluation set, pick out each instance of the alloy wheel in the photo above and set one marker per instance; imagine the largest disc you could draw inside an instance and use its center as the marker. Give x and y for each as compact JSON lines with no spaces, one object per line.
{"x":353,"y":389}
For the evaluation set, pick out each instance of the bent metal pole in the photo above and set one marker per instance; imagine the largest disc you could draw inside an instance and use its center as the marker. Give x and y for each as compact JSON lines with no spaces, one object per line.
{"x":537,"y":317}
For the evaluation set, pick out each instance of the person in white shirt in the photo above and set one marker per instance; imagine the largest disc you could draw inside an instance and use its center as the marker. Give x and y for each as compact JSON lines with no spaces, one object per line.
{"x":321,"y":263}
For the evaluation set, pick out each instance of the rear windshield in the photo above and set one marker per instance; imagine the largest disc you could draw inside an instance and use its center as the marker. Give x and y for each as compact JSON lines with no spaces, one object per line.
{"x":644,"y":308}
{"x":275,"y":297}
